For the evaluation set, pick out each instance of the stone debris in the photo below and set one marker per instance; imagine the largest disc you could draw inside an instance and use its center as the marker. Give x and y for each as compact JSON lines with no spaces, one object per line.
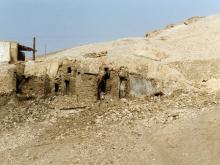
{"x":96,"y":55}
{"x":192,"y":20}
{"x":99,"y":95}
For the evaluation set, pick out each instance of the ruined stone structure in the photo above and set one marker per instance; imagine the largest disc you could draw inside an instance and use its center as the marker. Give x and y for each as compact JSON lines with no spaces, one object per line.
{"x":12,"y":52}
{"x":73,"y":79}
{"x":7,"y":82}
{"x":33,"y":79}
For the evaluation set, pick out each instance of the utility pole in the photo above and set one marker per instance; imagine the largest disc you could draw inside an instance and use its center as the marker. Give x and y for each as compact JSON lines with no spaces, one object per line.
{"x":34,"y":48}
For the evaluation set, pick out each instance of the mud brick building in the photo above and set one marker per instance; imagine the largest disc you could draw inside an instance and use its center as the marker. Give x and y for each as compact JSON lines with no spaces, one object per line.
{"x":11,"y":51}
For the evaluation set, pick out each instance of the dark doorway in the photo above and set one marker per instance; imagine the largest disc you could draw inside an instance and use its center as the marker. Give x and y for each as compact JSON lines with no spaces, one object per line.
{"x":102,"y":83}
{"x":18,"y":82}
{"x":57,"y":86}
{"x":21,"y":56}
{"x":69,"y":70}
{"x":67,"y":87}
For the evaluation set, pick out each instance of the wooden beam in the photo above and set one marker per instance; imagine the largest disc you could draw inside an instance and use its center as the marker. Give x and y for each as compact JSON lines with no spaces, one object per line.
{"x":34,"y":48}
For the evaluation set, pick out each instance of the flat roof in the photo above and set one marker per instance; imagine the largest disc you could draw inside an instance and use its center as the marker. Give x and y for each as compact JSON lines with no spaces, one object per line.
{"x":24,"y":48}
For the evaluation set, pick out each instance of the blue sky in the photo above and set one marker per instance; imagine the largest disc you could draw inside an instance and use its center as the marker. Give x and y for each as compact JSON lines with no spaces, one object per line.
{"x":62,"y":24}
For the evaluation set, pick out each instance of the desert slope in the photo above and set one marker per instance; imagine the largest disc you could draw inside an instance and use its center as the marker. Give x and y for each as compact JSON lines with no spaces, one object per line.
{"x":181,"y":127}
{"x":186,"y":53}
{"x":191,"y":40}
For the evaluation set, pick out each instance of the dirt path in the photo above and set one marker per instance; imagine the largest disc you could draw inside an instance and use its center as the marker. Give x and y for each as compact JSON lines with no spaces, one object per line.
{"x":194,"y":139}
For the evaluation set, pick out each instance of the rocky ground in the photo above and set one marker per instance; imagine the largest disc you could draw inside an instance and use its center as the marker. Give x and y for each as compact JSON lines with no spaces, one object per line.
{"x":179,"y":129}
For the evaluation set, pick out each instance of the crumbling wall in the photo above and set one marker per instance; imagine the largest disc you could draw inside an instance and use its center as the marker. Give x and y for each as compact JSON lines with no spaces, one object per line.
{"x":14,"y":52}
{"x":86,"y":86}
{"x":71,"y":79}
{"x":7,"y":78}
{"x":4,"y":98}
{"x":8,"y":52}
{"x":113,"y":85}
{"x":64,"y":81}
{"x":140,"y":86}
{"x":4,"y":51}
{"x":34,"y":86}
{"x":75,"y":79}
{"x":7,"y":82}
{"x":124,"y":80}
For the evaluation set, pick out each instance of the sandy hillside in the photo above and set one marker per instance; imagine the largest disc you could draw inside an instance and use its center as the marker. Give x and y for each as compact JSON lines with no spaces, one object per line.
{"x":185,"y":53}
{"x":179,"y":128}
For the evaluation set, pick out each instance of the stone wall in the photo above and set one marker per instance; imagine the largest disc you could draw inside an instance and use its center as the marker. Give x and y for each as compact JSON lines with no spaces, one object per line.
{"x":86,"y":87}
{"x":7,"y":78}
{"x":140,"y":86}
{"x":113,"y":85}
{"x":13,"y":52}
{"x":4,"y":51}
{"x":75,"y":80}
{"x":7,"y":82}
{"x":8,"y":52}
{"x":35,"y":86}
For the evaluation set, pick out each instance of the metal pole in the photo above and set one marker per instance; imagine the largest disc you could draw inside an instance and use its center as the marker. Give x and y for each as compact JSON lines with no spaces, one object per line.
{"x":34,"y":48}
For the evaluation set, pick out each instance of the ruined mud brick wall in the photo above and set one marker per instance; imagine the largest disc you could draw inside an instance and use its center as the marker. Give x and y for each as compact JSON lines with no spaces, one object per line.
{"x":64,"y":81}
{"x":4,"y":51}
{"x":86,"y":86}
{"x":72,"y":80}
{"x":124,"y":82}
{"x":75,"y":79}
{"x":67,"y":85}
{"x":7,"y":82}
{"x":113,"y":85}
{"x":140,"y":86}
{"x":7,"y":78}
{"x":35,"y":86}
{"x":8,"y":52}
{"x":20,"y":66}
{"x":14,"y":52}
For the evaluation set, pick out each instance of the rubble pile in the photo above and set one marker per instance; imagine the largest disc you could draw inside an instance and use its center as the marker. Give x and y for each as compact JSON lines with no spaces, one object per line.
{"x":102,"y":91}
{"x":73,"y":116}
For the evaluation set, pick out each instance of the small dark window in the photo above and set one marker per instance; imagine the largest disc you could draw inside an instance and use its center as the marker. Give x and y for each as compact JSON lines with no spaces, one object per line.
{"x":69,"y":70}
{"x":57,"y":87}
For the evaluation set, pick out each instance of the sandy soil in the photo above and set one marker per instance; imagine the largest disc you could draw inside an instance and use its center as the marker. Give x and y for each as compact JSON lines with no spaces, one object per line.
{"x":182,"y":130}
{"x":179,"y":128}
